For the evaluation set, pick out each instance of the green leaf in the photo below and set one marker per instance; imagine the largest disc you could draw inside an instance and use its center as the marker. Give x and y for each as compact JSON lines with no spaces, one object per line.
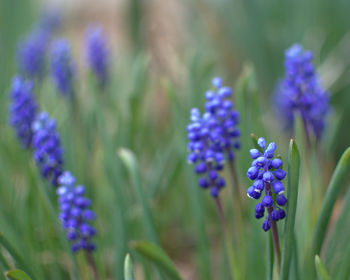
{"x":13,"y":252}
{"x":157,"y":256}
{"x":334,"y":187}
{"x":129,"y":160}
{"x":128,"y":268}
{"x":321,"y":270}
{"x":289,"y":241}
{"x":17,"y":274}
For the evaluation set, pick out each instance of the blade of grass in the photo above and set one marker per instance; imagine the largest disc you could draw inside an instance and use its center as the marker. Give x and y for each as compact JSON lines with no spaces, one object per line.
{"x":293,"y":185}
{"x":321,"y":270}
{"x":128,"y":268}
{"x":129,"y":161}
{"x":13,"y":252}
{"x":17,"y":274}
{"x":334,"y":254}
{"x":158,"y":257}
{"x":334,"y":187}
{"x":343,"y":270}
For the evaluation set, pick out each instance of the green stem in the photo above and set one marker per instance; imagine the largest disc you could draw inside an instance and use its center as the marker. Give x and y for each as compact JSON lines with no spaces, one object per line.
{"x":92,"y":264}
{"x":235,"y":273}
{"x":239,"y":209}
{"x":275,"y":241}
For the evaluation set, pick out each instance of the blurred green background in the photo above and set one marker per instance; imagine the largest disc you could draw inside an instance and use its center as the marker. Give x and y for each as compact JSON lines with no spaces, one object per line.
{"x":164,"y":54}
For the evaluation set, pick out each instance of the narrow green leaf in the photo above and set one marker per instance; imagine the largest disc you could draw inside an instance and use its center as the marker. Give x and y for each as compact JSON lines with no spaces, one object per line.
{"x":334,"y":187}
{"x":13,"y":252}
{"x":293,"y":184}
{"x":321,"y":270}
{"x":17,"y":274}
{"x":157,"y":256}
{"x":335,"y":247}
{"x":129,"y":160}
{"x":128,"y":268}
{"x":342,"y":271}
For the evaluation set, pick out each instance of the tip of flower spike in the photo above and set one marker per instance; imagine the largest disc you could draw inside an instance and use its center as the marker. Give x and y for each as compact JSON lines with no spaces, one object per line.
{"x":217,"y":82}
{"x":294,"y":50}
{"x":262,"y":143}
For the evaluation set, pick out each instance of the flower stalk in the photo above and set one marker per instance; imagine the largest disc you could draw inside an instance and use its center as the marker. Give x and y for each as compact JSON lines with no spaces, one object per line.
{"x":234,"y":270}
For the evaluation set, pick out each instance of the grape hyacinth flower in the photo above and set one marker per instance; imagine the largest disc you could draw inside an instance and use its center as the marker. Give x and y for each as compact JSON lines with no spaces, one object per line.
{"x":97,"y":53}
{"x":50,"y":20}
{"x":75,"y":213}
{"x":222,"y":119}
{"x":62,"y":67}
{"x":47,"y":151}
{"x":301,"y":92}
{"x":31,"y":53}
{"x":267,"y":173}
{"x":22,"y":109}
{"x":212,"y":136}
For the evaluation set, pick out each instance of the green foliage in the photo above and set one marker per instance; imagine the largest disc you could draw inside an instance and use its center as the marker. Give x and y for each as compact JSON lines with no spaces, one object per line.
{"x":289,"y":242}
{"x":321,"y":270}
{"x":158,"y":257}
{"x":17,"y":274}
{"x":333,"y":190}
{"x":128,"y":268}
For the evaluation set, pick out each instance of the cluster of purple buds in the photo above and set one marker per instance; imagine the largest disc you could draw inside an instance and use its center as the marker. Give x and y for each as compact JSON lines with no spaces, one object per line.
{"x":75,"y":213}
{"x":300,"y":92}
{"x":47,"y":150}
{"x":213,"y":137}
{"x":22,"y":109}
{"x":62,"y":67}
{"x":267,"y":173}
{"x":32,"y":49}
{"x":97,"y":53}
{"x":31,"y":54}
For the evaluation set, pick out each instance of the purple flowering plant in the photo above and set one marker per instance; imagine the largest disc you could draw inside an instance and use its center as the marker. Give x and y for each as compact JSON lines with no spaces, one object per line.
{"x":301,"y":234}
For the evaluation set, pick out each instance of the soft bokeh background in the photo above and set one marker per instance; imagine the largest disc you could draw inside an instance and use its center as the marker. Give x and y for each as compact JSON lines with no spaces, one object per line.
{"x":164,"y":54}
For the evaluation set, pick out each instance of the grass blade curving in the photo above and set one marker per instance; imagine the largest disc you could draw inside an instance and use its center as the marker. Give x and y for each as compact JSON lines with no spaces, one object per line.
{"x":128,"y":268}
{"x":17,"y":274}
{"x":157,"y":256}
{"x":321,"y":270}
{"x":293,"y":184}
{"x":334,"y":187}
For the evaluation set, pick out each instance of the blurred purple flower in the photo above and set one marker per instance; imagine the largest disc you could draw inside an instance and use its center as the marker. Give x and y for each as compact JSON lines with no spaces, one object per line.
{"x":300,"y":92}
{"x":47,"y":151}
{"x":97,"y":53}
{"x":62,"y":66}
{"x":22,"y":109}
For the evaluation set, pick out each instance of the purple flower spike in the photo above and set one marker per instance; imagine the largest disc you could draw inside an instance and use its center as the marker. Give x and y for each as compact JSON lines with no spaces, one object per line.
{"x":213,"y":137}
{"x":300,"y":92}
{"x":62,"y":66}
{"x":22,"y":110}
{"x":75,"y":216}
{"x":47,"y":151}
{"x":266,"y":173}
{"x":97,"y":53}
